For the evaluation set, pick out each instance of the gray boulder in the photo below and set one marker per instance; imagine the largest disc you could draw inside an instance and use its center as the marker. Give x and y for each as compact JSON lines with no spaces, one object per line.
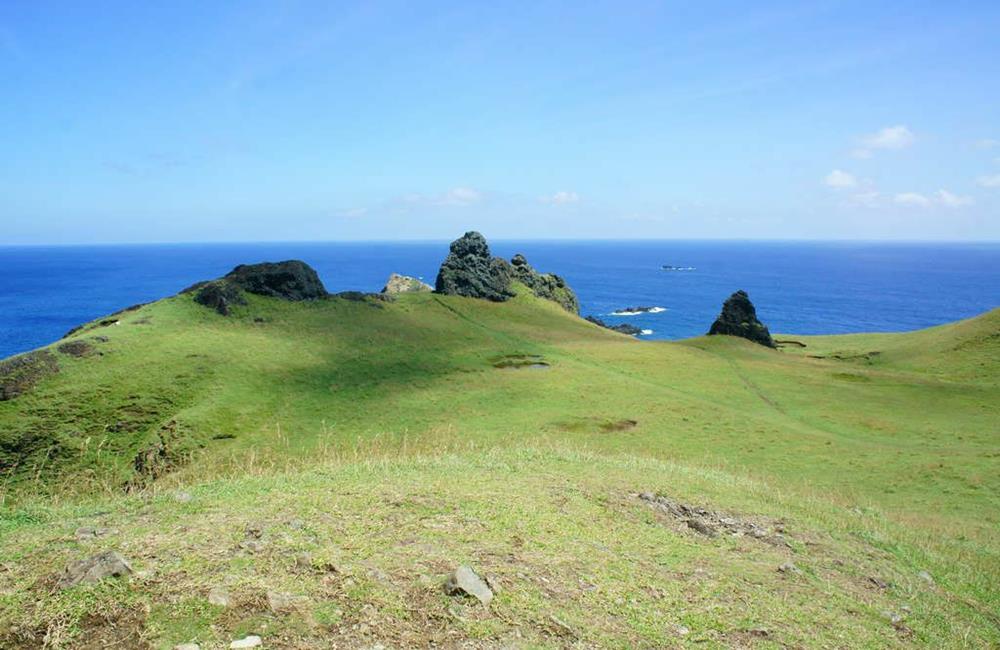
{"x":465,"y":582}
{"x":405,"y":284}
{"x":108,"y":564}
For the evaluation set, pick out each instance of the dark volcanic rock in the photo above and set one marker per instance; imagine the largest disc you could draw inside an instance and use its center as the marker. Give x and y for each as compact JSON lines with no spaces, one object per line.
{"x":19,"y":374}
{"x":220,"y":295}
{"x":470,"y":270}
{"x":739,"y":318}
{"x":290,"y":280}
{"x":624,"y":328}
{"x":545,"y":285}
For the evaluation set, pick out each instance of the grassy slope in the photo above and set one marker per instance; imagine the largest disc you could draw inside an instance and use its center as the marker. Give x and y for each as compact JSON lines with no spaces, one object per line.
{"x":387,"y":431}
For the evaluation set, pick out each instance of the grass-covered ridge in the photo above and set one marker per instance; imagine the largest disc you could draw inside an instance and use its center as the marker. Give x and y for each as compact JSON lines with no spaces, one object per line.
{"x":392,"y":440}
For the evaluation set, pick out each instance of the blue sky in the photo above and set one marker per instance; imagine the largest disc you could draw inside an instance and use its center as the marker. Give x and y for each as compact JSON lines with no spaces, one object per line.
{"x":216,"y":121}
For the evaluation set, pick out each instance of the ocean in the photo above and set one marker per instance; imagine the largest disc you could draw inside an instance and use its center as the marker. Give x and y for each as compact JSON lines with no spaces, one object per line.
{"x":799,"y":287}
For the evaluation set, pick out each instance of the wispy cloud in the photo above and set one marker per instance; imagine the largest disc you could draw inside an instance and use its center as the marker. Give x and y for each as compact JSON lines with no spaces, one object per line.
{"x":840,"y":180}
{"x":949,"y":200}
{"x":942,"y":198}
{"x":914,"y":199}
{"x":987,"y":143}
{"x":352,"y":213}
{"x":991,"y":180}
{"x":889,"y":138}
{"x":561,"y":198}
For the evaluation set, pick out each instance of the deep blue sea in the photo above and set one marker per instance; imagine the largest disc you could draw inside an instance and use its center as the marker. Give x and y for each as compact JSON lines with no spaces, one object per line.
{"x":803,"y":288}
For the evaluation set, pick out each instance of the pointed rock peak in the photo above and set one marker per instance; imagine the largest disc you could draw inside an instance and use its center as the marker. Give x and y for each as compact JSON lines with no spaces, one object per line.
{"x":739,"y":318}
{"x":470,"y":270}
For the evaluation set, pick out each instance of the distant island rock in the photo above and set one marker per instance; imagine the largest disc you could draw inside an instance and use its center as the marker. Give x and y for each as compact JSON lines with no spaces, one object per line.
{"x":471,"y":271}
{"x":623,"y":328}
{"x":405,"y":284}
{"x":634,"y":311}
{"x":739,"y":318}
{"x":292,"y":280}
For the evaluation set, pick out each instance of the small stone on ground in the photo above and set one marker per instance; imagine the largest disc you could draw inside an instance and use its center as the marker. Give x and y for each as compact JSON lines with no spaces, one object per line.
{"x":464,"y":581}
{"x":251,"y":641}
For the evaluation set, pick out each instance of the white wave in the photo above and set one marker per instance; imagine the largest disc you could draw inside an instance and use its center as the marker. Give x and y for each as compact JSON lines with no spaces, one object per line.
{"x":625,"y":312}
{"x":645,"y":332}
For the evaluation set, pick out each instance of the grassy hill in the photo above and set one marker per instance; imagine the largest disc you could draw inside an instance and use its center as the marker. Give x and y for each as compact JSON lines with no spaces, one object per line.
{"x":390,"y":441}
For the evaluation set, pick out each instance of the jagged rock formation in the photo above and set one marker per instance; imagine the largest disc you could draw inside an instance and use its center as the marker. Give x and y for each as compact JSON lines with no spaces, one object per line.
{"x":623,"y":328}
{"x":220,"y":296}
{"x":290,"y":280}
{"x":404,"y":284}
{"x":470,"y":270}
{"x":545,"y":285}
{"x":739,"y":318}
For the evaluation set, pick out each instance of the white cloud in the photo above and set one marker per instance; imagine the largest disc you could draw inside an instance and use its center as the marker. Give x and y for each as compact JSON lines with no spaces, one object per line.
{"x":352,"y":213}
{"x":942,"y":198}
{"x":561,"y":198}
{"x":889,"y":138}
{"x":989,"y":181}
{"x":457,"y":196}
{"x":840,"y":180}
{"x":949,"y":200}
{"x":912,"y":199}
{"x":868,"y":199}
{"x":460,"y":196}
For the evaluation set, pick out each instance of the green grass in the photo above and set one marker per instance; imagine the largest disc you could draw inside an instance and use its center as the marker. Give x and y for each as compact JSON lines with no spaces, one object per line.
{"x":387,"y":433}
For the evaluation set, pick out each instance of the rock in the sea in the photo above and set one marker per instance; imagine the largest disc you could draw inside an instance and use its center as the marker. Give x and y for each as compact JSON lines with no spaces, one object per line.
{"x":470,"y":270}
{"x":108,"y":564}
{"x":465,"y":582}
{"x":545,"y":285}
{"x":623,"y":328}
{"x":739,"y":318}
{"x":405,"y":284}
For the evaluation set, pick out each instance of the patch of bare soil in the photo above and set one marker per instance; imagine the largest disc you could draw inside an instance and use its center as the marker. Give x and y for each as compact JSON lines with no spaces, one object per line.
{"x":19,"y":374}
{"x":712,"y":524}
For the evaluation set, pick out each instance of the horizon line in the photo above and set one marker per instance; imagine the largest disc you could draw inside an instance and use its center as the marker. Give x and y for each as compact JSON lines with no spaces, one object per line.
{"x":437,"y":240}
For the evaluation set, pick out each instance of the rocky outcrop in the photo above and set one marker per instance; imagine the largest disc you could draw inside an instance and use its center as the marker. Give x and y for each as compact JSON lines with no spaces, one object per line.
{"x":404,"y":284}
{"x":290,"y":280}
{"x":219,"y":295}
{"x":470,"y":270}
{"x":544,"y":285}
{"x":108,"y":564}
{"x":739,"y":318}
